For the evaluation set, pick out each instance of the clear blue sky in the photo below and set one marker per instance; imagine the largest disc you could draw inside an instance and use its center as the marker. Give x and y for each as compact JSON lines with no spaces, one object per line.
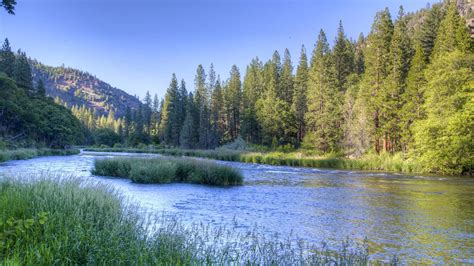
{"x":136,"y":45}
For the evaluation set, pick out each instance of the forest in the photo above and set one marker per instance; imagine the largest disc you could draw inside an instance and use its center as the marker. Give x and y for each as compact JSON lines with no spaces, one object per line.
{"x":405,"y":89}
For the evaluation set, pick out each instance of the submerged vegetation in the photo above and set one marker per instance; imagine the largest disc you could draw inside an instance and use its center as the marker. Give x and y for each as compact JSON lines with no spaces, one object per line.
{"x":23,"y":154}
{"x":69,"y":222}
{"x":169,"y":169}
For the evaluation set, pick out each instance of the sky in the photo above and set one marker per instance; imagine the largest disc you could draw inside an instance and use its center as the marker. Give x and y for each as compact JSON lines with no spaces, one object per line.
{"x":136,"y":45}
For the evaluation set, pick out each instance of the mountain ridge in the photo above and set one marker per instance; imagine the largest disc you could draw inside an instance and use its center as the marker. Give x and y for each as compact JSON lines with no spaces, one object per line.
{"x":76,"y":87}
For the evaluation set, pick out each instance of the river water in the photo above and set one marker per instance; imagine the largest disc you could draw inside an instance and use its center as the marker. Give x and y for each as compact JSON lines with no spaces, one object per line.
{"x":424,"y":219}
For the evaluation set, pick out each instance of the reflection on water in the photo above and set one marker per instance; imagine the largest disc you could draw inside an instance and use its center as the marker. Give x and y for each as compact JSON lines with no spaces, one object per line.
{"x":420,"y":218}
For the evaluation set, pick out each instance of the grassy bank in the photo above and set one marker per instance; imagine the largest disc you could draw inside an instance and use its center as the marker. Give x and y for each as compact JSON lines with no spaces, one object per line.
{"x":168,"y":170}
{"x":23,"y":154}
{"x":371,"y":162}
{"x":46,"y":222}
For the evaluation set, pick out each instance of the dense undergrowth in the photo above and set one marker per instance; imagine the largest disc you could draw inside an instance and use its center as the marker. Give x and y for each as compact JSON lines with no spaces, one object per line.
{"x":44,"y":222}
{"x":167,"y":170}
{"x":375,"y":162}
{"x":23,"y":154}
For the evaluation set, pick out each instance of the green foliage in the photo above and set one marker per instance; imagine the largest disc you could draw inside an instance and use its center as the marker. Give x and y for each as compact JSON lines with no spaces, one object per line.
{"x":443,"y":140}
{"x":167,"y":170}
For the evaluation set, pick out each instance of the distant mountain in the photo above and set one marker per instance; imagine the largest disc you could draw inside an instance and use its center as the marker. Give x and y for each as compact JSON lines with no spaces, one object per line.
{"x":76,"y":87}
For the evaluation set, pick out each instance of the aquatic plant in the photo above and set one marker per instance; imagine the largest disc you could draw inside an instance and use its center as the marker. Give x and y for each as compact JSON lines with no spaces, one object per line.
{"x":168,"y":169}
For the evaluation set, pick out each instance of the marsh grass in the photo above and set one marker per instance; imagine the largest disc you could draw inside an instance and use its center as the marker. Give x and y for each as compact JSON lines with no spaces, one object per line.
{"x":168,"y":169}
{"x":372,"y":162}
{"x":66,"y":221}
{"x":23,"y":154}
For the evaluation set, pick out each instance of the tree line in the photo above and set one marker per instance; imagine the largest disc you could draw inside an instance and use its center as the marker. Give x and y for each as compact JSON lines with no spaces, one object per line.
{"x":406,"y":87}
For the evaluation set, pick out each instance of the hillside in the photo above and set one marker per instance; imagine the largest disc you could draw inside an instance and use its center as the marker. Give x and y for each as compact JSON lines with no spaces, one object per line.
{"x":80,"y":88}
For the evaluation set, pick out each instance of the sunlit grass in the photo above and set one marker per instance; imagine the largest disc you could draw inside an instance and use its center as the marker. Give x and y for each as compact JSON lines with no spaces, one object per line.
{"x":167,"y":170}
{"x":65,"y":221}
{"x":373,"y":162}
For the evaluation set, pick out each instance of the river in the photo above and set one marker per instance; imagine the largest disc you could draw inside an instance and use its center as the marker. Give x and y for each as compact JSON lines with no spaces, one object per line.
{"x":424,"y":219}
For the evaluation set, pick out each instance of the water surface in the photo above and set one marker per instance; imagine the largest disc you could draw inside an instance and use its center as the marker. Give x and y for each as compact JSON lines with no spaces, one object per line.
{"x":425,"y":219}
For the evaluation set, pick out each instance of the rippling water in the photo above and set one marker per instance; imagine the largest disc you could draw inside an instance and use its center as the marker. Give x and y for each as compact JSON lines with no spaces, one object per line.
{"x":420,"y":218}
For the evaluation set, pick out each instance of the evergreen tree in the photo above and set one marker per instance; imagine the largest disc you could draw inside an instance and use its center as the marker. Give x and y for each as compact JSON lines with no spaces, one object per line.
{"x":127,"y":125}
{"x":233,"y":98}
{"x":452,"y":34}
{"x":429,"y":29}
{"x":168,"y":124}
{"x":299,"y":105}
{"x":413,"y":97}
{"x":359,"y":55}
{"x":400,"y":55}
{"x":377,"y":60}
{"x":286,"y":78}
{"x":147,"y":111}
{"x":40,"y":89}
{"x":217,"y":115}
{"x":253,"y":88}
{"x":22,"y":72}
{"x":323,"y":119}
{"x":343,"y":58}
{"x":7,"y":59}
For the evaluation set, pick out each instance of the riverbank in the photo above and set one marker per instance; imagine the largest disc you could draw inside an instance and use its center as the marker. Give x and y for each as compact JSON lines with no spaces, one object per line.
{"x":23,"y":154}
{"x":371,"y":162}
{"x":65,"y":221}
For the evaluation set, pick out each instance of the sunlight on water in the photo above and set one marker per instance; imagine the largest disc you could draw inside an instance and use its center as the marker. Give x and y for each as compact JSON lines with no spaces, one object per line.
{"x":421,"y":218}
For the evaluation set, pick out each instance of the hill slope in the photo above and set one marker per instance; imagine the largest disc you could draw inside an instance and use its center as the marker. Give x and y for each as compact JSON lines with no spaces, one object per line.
{"x":80,"y":88}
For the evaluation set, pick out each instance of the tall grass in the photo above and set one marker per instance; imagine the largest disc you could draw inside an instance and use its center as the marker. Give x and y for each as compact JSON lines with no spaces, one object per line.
{"x":376,"y":162}
{"x":46,"y":222}
{"x":23,"y":154}
{"x":167,"y":170}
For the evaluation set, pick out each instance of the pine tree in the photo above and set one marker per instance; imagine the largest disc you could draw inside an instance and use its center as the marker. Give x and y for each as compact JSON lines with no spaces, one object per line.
{"x":233,"y":98}
{"x":217,"y":115}
{"x":40,"y":89}
{"x":452,"y":34}
{"x":168,"y":124}
{"x":286,"y":78}
{"x":359,"y":55}
{"x":22,"y":72}
{"x":413,"y":97}
{"x":377,"y":59}
{"x":429,"y":29}
{"x":323,"y":117}
{"x":253,"y":88}
{"x":299,"y":105}
{"x":7,"y":59}
{"x":343,"y":58}
{"x":400,"y":56}
{"x":147,"y":111}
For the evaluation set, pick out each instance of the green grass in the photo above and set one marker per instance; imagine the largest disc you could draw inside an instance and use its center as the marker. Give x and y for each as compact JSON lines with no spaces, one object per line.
{"x":168,"y":169}
{"x":44,"y":222}
{"x":23,"y":154}
{"x":370,"y":162}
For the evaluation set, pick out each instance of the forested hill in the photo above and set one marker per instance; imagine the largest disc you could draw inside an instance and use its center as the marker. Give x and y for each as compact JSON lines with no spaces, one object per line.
{"x":79,"y":88}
